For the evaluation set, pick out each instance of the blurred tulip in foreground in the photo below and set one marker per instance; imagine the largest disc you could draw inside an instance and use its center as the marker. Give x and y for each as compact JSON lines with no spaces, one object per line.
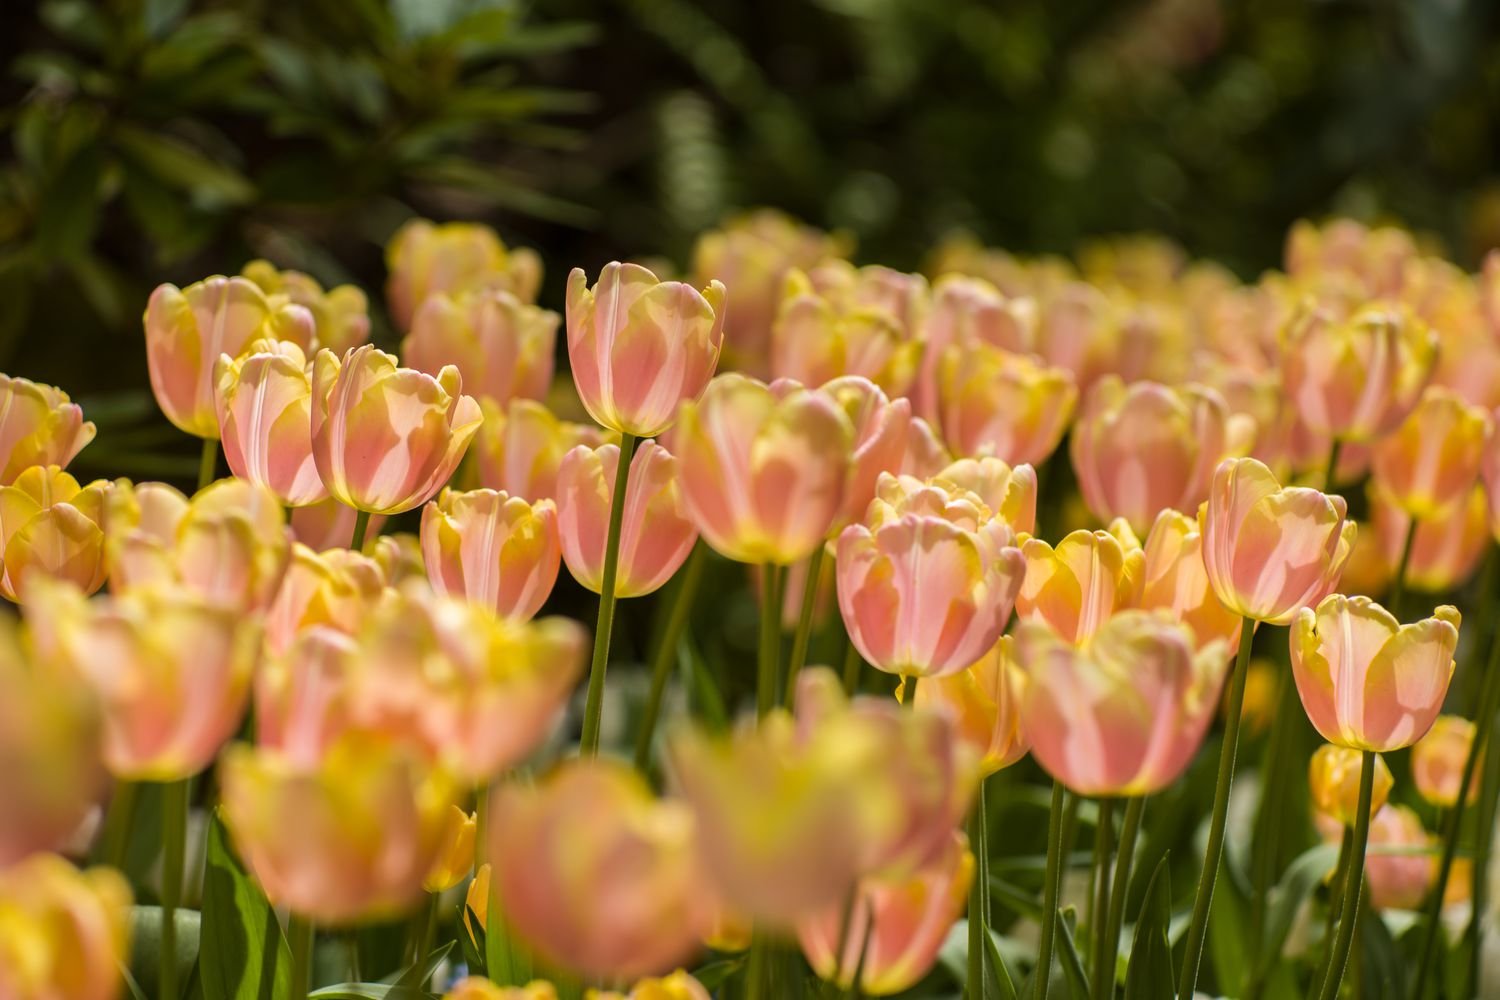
{"x":336,"y":588}
{"x":264,"y":406}
{"x":453,"y":257}
{"x":1076,"y":586}
{"x":480,"y":988}
{"x":39,"y":425}
{"x":1333,"y":776}
{"x":52,"y":527}
{"x":1008,"y":405}
{"x":1437,"y":762}
{"x":64,"y":933}
{"x":457,"y":857}
{"x":519,"y":448}
{"x":984,"y":700}
{"x":501,"y":346}
{"x":678,"y":986}
{"x":495,"y":550}
{"x":1428,"y":465}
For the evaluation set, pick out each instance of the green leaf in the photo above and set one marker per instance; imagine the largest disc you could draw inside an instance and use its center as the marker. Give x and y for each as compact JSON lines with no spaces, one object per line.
{"x":245,"y":955}
{"x":998,"y":983}
{"x":69,"y":212}
{"x":1067,"y":948}
{"x":1302,"y":878}
{"x":180,"y":165}
{"x":145,"y":945}
{"x":368,"y":991}
{"x":1149,"y":976}
{"x":1228,"y":930}
{"x":714,"y":974}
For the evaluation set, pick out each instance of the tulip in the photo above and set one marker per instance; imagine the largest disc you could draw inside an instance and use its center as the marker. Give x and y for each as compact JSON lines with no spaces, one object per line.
{"x":495,"y":550}
{"x":347,"y":838}
{"x":1008,"y":405}
{"x":188,"y":329}
{"x":928,"y":583}
{"x":502,"y":347}
{"x":341,"y":315}
{"x":640,"y":346}
{"x":328,"y":524}
{"x":39,"y":425}
{"x":813,"y":341}
{"x":399,"y":557}
{"x":1076,"y":586}
{"x":1367,"y":681}
{"x":1358,"y":378}
{"x":1333,"y":776}
{"x":518,"y":449}
{"x":52,"y":527}
{"x":1400,"y":879}
{"x":1271,"y":550}
{"x":1376,"y":257}
{"x":1445,"y":550}
{"x":895,"y":929}
{"x":656,"y":534}
{"x":1077,"y":331}
{"x":984,"y":701}
{"x":386,"y":438}
{"x":1428,"y":465}
{"x":895,"y":294}
{"x":1009,"y":492}
{"x":457,"y":857}
{"x":1173,"y":578}
{"x":172,"y":672}
{"x":453,"y":257}
{"x":1124,"y":712}
{"x":64,"y":934}
{"x":1437,"y":762}
{"x":678,"y":986}
{"x":336,"y":588}
{"x":480,"y":988}
{"x":969,"y":310}
{"x":881,"y":429}
{"x":264,"y":406}
{"x":1144,"y":448}
{"x":764,"y":468}
{"x":925,"y":454}
{"x":597,"y":875}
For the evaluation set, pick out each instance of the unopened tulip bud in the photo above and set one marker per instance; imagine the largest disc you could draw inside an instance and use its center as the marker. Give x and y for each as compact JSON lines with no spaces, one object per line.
{"x":264,"y":407}
{"x":52,"y":527}
{"x":453,"y":257}
{"x":39,"y":425}
{"x":1428,"y":465}
{"x":457,"y":856}
{"x":881,"y":429}
{"x":1437,"y":762}
{"x":64,"y":934}
{"x":495,"y":550}
{"x":1077,"y":585}
{"x":1008,"y":405}
{"x":502,"y":347}
{"x":1333,"y":776}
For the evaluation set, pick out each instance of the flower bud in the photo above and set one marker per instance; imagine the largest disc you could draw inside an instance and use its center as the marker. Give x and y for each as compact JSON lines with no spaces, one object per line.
{"x":1008,"y":405}
{"x":1333,"y":775}
{"x":52,"y":527}
{"x":495,"y":550}
{"x":1437,"y":762}
{"x":64,"y":934}
{"x":264,"y":407}
{"x":39,"y":425}
{"x":502,"y":347}
{"x":453,"y":257}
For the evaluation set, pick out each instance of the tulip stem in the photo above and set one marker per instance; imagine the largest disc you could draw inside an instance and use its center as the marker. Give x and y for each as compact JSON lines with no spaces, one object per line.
{"x":1335,"y":899}
{"x":755,"y":967}
{"x":299,"y":932}
{"x":853,"y":665}
{"x":421,"y":934}
{"x":1398,"y":585}
{"x":979,"y":896}
{"x":174,"y":810}
{"x":1104,"y":975}
{"x":1050,"y":889}
{"x":1104,"y":832}
{"x":1353,"y":879}
{"x":117,"y":822}
{"x":770,"y":639}
{"x":208,"y":462}
{"x":803,"y":635}
{"x":593,"y":710}
{"x":361,"y":525}
{"x":1215,"y":851}
{"x":666,"y":654}
{"x":1268,"y":811}
{"x":1480,"y":870}
{"x":1330,"y":471}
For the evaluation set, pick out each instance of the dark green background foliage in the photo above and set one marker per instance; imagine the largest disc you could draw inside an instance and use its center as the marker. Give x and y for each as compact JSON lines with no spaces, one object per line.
{"x":150,"y":140}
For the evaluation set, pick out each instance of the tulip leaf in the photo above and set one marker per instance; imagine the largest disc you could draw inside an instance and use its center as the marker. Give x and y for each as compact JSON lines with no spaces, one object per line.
{"x":410,"y":978}
{"x":1302,"y":878}
{"x":145,"y":946}
{"x":368,"y":991}
{"x":1149,"y":975}
{"x":998,"y":982}
{"x":244,"y":953}
{"x":713,"y":974}
{"x":1229,"y":928}
{"x":1078,"y":980}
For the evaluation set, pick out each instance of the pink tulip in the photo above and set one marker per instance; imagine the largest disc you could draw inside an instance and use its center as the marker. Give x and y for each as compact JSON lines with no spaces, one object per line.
{"x":1075,"y":587}
{"x":1077,"y":331}
{"x":1399,"y":880}
{"x":815,"y":341}
{"x":764,"y":468}
{"x":1008,"y":492}
{"x":329,"y":524}
{"x":502,"y":347}
{"x":1007,"y":405}
{"x":1124,"y":712}
{"x":518,"y":449}
{"x":64,"y":934}
{"x":336,"y":588}
{"x":655,"y":532}
{"x":1333,"y":775}
{"x":264,"y":405}
{"x":386,"y":438}
{"x":640,"y":346}
{"x":1428,"y":465}
{"x":984,"y":701}
{"x":927,"y":585}
{"x":1437,"y":762}
{"x":881,"y":428}
{"x":1174,"y":579}
{"x":341,"y":315}
{"x":965,"y":311}
{"x":52,"y":527}
{"x":925,"y":453}
{"x":1367,"y":681}
{"x":39,"y":425}
{"x":1271,"y":550}
{"x":1445,"y":549}
{"x":453,"y":257}
{"x":495,"y":550}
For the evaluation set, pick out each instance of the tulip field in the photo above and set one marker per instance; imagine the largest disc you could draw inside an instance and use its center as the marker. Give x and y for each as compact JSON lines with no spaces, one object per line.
{"x":789,"y":628}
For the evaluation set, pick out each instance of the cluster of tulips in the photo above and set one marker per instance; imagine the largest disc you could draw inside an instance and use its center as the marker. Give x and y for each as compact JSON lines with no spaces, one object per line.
{"x":313,"y":722}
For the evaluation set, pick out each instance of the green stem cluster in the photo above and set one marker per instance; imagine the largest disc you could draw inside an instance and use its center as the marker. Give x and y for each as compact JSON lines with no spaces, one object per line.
{"x":593,"y":709}
{"x":1353,"y":879}
{"x":1050,"y":890}
{"x":803,"y":636}
{"x":666,"y":654}
{"x":1104,"y":970}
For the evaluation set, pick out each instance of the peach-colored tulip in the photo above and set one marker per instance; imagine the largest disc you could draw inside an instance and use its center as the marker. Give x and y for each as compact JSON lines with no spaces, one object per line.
{"x":678,"y":986}
{"x":881,"y":428}
{"x":457,"y":857}
{"x":480,"y":988}
{"x":1271,"y":550}
{"x":1078,"y":331}
{"x":229,"y":544}
{"x":1356,"y":378}
{"x":813,"y":341}
{"x":336,"y":588}
{"x":1144,"y":448}
{"x":596,"y":874}
{"x":1124,"y":712}
{"x":454,"y":257}
{"x":1333,"y":777}
{"x":502,"y":347}
{"x":895,"y":928}
{"x":969,"y":310}
{"x":387,"y":438}
{"x":927,"y":584}
{"x":1174,"y":578}
{"x":171,"y":669}
{"x":656,"y":534}
{"x":1367,"y":681}
{"x":925,"y":453}
{"x":1076,"y":586}
{"x":519,"y":448}
{"x":50,"y":526}
{"x":640,"y":346}
{"x":64,"y":934}
{"x":1437,"y":761}
{"x":984,"y":700}
{"x":188,"y":329}
{"x":763,"y":468}
{"x":329,"y":524}
{"x":264,"y":406}
{"x":900,"y":296}
{"x":50,"y":775}
{"x":1445,"y":550}
{"x":341,"y":315}
{"x":1401,"y":879}
{"x":399,"y":557}
{"x":345,"y":838}
{"x":39,"y":425}
{"x":1428,"y":465}
{"x":495,"y":550}
{"x":1375,"y":257}
{"x":1009,"y":492}
{"x":1008,"y":405}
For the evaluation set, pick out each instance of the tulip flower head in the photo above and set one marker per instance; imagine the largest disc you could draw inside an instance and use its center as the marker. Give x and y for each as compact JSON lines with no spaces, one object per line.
{"x":1437,"y":762}
{"x":341,"y":315}
{"x":519,"y":448}
{"x":1445,"y":549}
{"x":453,"y":257}
{"x":64,"y":934}
{"x":1077,"y":585}
{"x":1333,"y":776}
{"x":1009,"y":492}
{"x":1400,"y":879}
{"x":496,"y":550}
{"x":336,"y":589}
{"x":457,"y":857}
{"x":480,"y":988}
{"x":984,"y":700}
{"x":813,"y":341}
{"x":881,"y":430}
{"x":967,"y":310}
{"x":1367,"y":681}
{"x":264,"y":407}
{"x":52,"y":527}
{"x":501,"y":346}
{"x":678,"y":986}
{"x":1174,"y":578}
{"x":1428,"y":465}
{"x":39,"y":425}
{"x":1011,"y":406}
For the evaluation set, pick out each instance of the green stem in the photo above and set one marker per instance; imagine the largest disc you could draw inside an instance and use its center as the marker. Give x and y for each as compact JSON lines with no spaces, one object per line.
{"x":593,"y":710}
{"x":770,"y":639}
{"x":299,"y":933}
{"x":208,"y":462}
{"x":1331,"y":469}
{"x":1484,"y":834}
{"x":1104,"y":976}
{"x":1335,"y":900}
{"x":115,"y":841}
{"x":803,"y":635}
{"x":666,"y":654}
{"x":361,"y":525}
{"x":174,"y":815}
{"x":1099,"y":912}
{"x":1199,"y":925}
{"x":1050,"y":889}
{"x":1354,"y":879}
{"x":853,"y":664}
{"x":421,"y":931}
{"x":1268,"y":813}
{"x":979,"y":913}
{"x":755,"y":967}
{"x":1398,"y":585}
